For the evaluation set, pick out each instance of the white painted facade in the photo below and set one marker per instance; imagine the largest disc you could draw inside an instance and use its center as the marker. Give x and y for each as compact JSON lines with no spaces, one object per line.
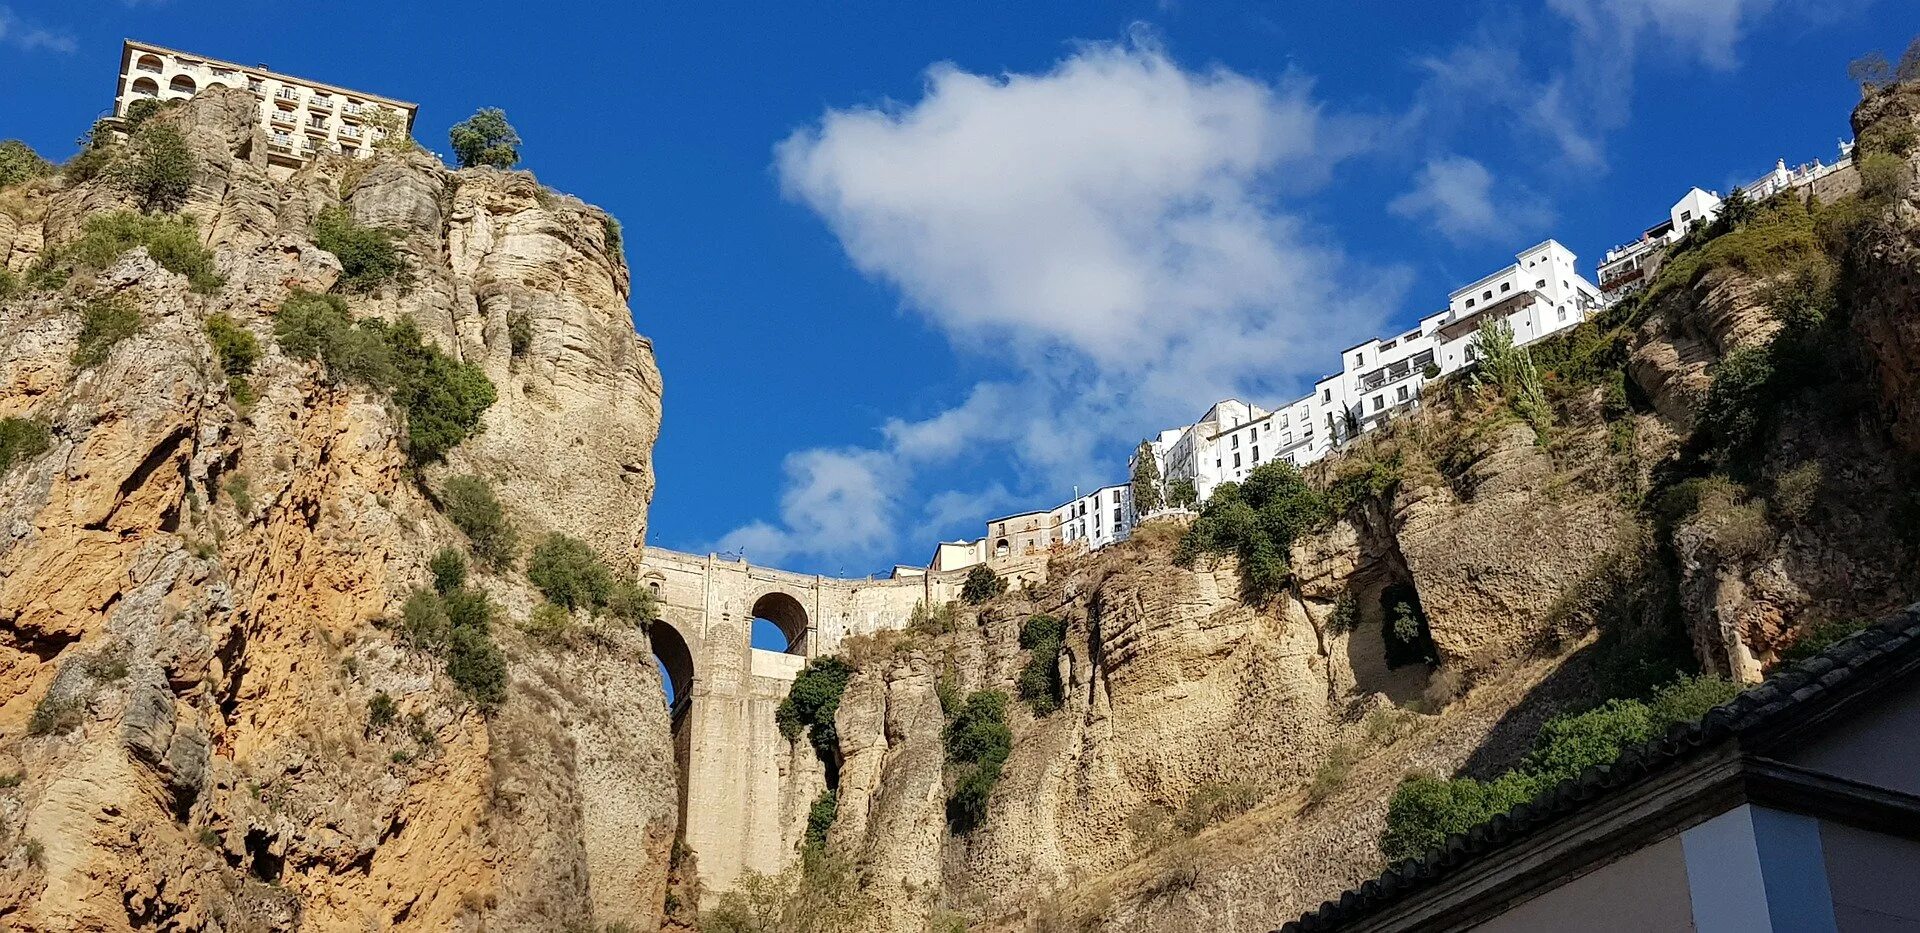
{"x":301,"y":119}
{"x":1627,"y":267}
{"x":1098,"y":518}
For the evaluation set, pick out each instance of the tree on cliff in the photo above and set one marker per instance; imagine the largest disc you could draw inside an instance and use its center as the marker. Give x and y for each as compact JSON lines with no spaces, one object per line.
{"x":1146,"y":480}
{"x":486,"y":138}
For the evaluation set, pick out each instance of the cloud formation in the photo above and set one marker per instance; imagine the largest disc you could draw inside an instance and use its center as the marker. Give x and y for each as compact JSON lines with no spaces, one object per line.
{"x":29,"y":37}
{"x":1109,"y":233}
{"x":1456,"y":195}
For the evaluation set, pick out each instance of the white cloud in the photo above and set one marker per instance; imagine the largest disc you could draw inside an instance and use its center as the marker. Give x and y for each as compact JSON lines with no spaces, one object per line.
{"x":29,"y":37}
{"x":1707,"y":29}
{"x":1456,"y":194}
{"x":1110,"y":233}
{"x":836,"y":501}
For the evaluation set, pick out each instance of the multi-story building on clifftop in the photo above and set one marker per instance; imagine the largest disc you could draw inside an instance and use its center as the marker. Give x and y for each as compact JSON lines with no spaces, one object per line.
{"x":300,"y":119}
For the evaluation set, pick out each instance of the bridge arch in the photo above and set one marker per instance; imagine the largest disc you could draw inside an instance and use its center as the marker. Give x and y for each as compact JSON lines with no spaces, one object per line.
{"x":787,"y":614}
{"x":676,"y":662}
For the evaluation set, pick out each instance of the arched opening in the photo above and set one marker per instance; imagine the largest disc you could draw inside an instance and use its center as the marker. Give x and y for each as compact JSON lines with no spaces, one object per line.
{"x":149,"y":63}
{"x":181,"y":84}
{"x":146,"y":87}
{"x":1001,"y":548}
{"x":779,"y":624}
{"x":675,"y":661}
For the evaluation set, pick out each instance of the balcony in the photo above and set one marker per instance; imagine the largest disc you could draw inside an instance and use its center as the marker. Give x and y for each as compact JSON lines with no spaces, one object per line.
{"x":148,"y":67}
{"x":287,"y":93}
{"x":349,"y":131}
{"x":354,"y":110}
{"x":320,"y":101}
{"x":281,"y":142}
{"x":284,"y":116}
{"x":316,"y":126}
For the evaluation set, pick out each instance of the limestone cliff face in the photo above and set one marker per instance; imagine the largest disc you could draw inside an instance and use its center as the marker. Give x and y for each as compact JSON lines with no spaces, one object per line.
{"x":1536,"y":556}
{"x":203,"y":659}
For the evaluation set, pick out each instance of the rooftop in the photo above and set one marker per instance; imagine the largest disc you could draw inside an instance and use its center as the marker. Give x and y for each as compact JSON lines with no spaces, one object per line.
{"x":130,"y":45}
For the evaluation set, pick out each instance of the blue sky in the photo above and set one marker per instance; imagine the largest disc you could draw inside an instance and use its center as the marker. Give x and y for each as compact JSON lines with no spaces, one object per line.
{"x":907,"y":266}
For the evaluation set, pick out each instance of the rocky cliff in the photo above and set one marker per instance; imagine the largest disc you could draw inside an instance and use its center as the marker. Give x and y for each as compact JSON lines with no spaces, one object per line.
{"x":1724,"y":474}
{"x":206,"y":720}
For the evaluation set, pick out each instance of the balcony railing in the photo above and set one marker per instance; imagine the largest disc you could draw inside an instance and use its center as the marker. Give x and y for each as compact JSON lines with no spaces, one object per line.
{"x":349,"y":131}
{"x":354,"y":110}
{"x":150,"y":69}
{"x":320,"y":100}
{"x":284,"y":116}
{"x":287,"y":93}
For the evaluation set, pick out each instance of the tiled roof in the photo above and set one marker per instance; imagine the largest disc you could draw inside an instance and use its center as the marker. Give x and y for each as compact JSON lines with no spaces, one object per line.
{"x":1854,"y":663}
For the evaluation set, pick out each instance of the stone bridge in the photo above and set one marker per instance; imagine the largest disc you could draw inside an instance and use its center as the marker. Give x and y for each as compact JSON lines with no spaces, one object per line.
{"x":734,"y":808}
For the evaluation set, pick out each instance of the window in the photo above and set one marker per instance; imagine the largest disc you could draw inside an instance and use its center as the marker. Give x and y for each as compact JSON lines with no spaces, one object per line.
{"x":1359,"y":359}
{"x":1236,"y":461}
{"x":1116,"y":518}
{"x":1400,"y":395}
{"x":1326,"y":395}
{"x":1379,"y":402}
{"x":1236,"y":441}
{"x":1686,"y":216}
{"x":1286,"y":438}
{"x":1540,"y":283}
{"x":1256,"y":454}
{"x":1469,"y":302}
{"x":1563,"y":312}
{"x":1487,"y":295}
{"x":1506,"y":287}
{"x":1116,"y":497}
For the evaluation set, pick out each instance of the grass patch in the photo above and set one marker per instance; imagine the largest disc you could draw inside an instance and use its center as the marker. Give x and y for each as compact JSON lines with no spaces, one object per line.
{"x":22,"y":439}
{"x":105,"y":321}
{"x":173,"y":242}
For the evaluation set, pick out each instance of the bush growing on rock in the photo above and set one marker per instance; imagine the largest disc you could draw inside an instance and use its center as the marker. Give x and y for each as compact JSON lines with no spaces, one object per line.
{"x":237,"y":348}
{"x":477,"y":667}
{"x":104,"y":322}
{"x":1039,"y":683}
{"x":978,"y":743}
{"x":820,"y":819}
{"x":567,"y":572}
{"x":981,"y":585}
{"x":1425,"y":810}
{"x":22,"y":439}
{"x":18,"y":163}
{"x":469,"y":502}
{"x":811,"y":703}
{"x":158,"y":168}
{"x":173,"y":242}
{"x":1256,"y":521}
{"x":449,"y":570}
{"x":312,"y":326}
{"x":368,"y":256}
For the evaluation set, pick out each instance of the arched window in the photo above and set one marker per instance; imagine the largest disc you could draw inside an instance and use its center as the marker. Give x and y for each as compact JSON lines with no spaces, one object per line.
{"x":149,"y":63}
{"x":146,"y":87}
{"x":181,"y":84}
{"x":1000,"y":548}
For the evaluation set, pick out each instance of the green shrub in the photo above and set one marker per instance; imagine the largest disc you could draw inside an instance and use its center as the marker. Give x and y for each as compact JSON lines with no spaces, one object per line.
{"x":22,"y":439}
{"x":939,"y":620}
{"x":18,"y":163}
{"x":1361,"y":480}
{"x":55,"y":717}
{"x":519,"y":334}
{"x":469,"y":502}
{"x":468,"y":608}
{"x":1509,"y":367}
{"x":240,"y":490}
{"x":144,"y":109}
{"x":611,"y":228}
{"x":368,"y":255}
{"x":1344,"y":616}
{"x":1182,"y":495}
{"x":236,"y":346}
{"x":981,"y":585}
{"x":449,"y":568}
{"x":423,"y":620}
{"x":549,"y":623}
{"x":1405,"y":634}
{"x":1425,"y":810}
{"x":1736,"y":414}
{"x":158,"y":168}
{"x":630,"y":602}
{"x":978,"y":743}
{"x":486,"y":138}
{"x":820,"y":819}
{"x":173,"y":242}
{"x":1257,"y":521}
{"x":104,"y":322}
{"x":381,"y":710}
{"x":1797,"y":491}
{"x":1819,"y":637}
{"x":567,"y":572}
{"x":810,"y":705}
{"x":1779,"y":234}
{"x":443,"y":398}
{"x":96,"y":157}
{"x":312,"y":326}
{"x":1039,"y":683}
{"x":477,"y":667}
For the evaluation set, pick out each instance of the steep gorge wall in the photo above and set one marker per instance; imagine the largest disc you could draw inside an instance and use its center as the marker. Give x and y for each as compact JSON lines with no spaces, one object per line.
{"x":215,"y":654}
